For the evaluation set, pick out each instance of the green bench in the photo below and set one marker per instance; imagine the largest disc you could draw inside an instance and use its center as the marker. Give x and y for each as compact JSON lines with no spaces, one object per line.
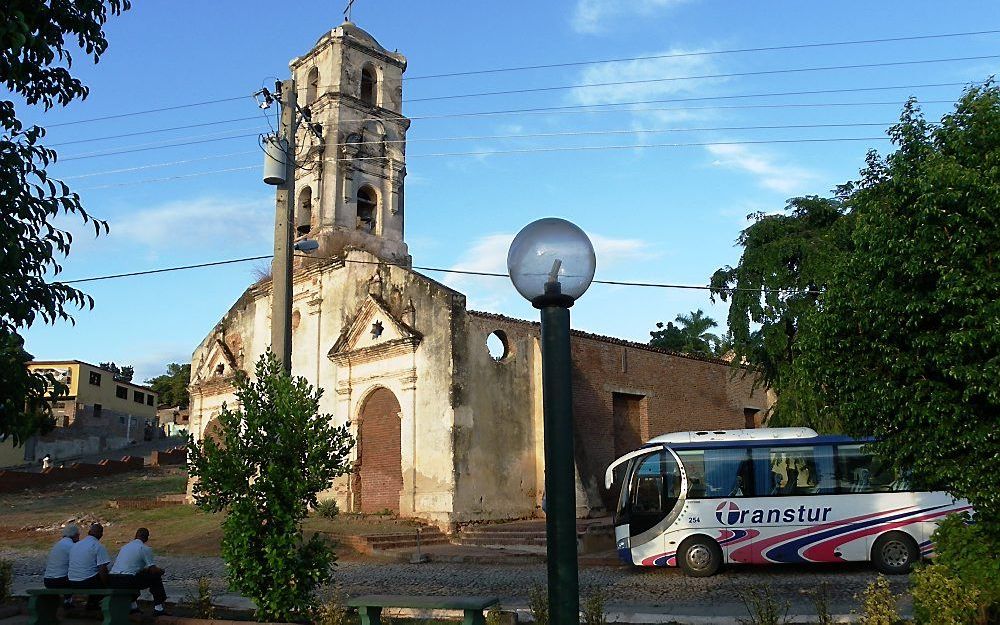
{"x":370,"y":606}
{"x":43,"y":604}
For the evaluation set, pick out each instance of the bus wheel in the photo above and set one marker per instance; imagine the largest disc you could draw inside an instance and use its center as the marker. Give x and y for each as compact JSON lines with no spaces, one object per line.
{"x":894,"y":553}
{"x":699,"y":556}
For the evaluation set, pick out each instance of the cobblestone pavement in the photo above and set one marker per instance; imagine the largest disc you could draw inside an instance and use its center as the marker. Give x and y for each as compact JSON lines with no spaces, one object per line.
{"x":625,"y":586}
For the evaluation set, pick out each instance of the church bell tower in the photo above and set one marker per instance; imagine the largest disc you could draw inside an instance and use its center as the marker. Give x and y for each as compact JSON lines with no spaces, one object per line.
{"x":349,"y":185}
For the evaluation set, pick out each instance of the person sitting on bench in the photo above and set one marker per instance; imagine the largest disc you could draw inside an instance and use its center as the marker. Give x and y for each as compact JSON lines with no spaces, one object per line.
{"x":88,"y":564}
{"x":57,"y":565}
{"x":134,"y":568}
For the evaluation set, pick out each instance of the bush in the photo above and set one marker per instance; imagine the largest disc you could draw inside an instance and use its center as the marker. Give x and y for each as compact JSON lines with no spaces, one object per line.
{"x":593,"y":608}
{"x":201,"y":601}
{"x":940,"y":598}
{"x":878,"y":605}
{"x":494,"y":616}
{"x":333,"y":612}
{"x":6,"y":580}
{"x":821,"y":600}
{"x":328,"y":508}
{"x":762,"y":607}
{"x":273,"y":454}
{"x":965,"y":579}
{"x":538,"y":603}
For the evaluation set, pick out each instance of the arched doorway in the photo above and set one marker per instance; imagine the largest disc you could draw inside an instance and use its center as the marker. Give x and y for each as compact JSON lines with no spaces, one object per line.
{"x":380,"y":474}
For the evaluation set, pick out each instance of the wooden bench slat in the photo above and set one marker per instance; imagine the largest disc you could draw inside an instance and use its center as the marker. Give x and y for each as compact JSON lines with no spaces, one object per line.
{"x":80,"y":591}
{"x":424,"y":602}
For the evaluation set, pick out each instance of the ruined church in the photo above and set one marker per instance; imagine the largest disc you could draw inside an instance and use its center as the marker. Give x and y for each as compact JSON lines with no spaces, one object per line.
{"x":445,"y":431}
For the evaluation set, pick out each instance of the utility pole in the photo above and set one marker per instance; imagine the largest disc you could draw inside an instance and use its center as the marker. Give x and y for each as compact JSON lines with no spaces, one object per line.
{"x":281,"y":265}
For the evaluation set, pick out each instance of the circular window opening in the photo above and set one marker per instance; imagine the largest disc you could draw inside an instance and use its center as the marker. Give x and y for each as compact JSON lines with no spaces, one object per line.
{"x":498,"y":345}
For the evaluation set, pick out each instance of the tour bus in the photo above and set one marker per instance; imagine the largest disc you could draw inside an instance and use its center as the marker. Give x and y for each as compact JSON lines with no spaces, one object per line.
{"x":771,"y":495}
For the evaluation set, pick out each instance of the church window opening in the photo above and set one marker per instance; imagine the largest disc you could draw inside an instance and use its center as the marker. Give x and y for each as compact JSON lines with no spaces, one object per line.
{"x":312,"y":85}
{"x":303,"y":221}
{"x":367,"y":204}
{"x":498,"y":345}
{"x":369,"y":81}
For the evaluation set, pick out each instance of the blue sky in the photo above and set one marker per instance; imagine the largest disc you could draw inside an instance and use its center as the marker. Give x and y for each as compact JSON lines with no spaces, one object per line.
{"x":657,"y":214}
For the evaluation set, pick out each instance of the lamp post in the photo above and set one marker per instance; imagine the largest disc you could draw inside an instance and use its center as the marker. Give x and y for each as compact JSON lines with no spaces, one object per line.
{"x":551,"y":263}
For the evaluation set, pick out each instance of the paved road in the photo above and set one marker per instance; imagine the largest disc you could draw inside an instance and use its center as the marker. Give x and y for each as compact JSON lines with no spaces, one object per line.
{"x":629,"y":589}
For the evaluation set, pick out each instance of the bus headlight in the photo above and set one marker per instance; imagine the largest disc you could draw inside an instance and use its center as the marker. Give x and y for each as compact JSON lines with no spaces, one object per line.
{"x":622,"y":543}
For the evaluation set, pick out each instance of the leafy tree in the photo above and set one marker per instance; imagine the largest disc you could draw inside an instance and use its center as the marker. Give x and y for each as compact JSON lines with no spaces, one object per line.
{"x":270,"y":458}
{"x":690,"y":336}
{"x":787,"y":259}
{"x":668,"y":337}
{"x":172,"y":386}
{"x":35,"y":57}
{"x":905,"y":344}
{"x":124,"y":373}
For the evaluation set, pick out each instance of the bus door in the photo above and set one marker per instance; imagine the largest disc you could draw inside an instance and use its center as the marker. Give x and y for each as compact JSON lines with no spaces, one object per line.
{"x":650,"y":502}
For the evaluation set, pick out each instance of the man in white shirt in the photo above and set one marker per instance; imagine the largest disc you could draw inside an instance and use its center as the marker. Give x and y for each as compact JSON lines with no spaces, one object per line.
{"x":88,"y":564}
{"x":57,"y":565}
{"x":134,"y":568}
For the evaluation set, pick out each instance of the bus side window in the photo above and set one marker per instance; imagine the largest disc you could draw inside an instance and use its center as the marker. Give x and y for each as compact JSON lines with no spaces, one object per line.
{"x":718,"y":473}
{"x":794,"y":471}
{"x":859,"y":471}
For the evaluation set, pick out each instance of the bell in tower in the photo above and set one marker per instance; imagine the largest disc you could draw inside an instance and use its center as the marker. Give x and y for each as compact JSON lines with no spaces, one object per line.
{"x":349,"y":185}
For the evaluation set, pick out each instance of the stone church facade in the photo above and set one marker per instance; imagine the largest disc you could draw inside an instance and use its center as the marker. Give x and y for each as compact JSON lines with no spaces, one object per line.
{"x":445,"y":431}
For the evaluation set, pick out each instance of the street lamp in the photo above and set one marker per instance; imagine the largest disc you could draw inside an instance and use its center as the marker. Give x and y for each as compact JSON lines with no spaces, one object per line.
{"x":551,"y":263}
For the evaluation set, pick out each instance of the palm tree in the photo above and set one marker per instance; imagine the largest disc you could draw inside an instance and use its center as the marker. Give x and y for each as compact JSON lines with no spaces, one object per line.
{"x":698,"y":339}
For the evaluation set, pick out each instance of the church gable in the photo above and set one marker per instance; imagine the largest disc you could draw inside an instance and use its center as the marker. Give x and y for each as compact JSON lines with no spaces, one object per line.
{"x":219,"y":361}
{"x":374,"y":332}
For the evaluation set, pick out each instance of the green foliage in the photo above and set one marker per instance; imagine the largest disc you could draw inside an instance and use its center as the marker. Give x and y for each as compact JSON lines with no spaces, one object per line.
{"x":821,"y":601}
{"x":905,"y":345}
{"x":201,"y":602}
{"x":171,"y":387}
{"x":965,"y":579}
{"x":124,"y":373}
{"x":593,"y":607}
{"x":6,"y":580}
{"x":762,"y":606}
{"x":538,"y":604}
{"x":272,"y":456}
{"x":787,"y":259}
{"x":333,"y":611}
{"x":35,"y":55}
{"x":878,"y":605}
{"x":494,"y":615}
{"x":690,"y":336}
{"x":940,"y":598}
{"x":328,"y":508}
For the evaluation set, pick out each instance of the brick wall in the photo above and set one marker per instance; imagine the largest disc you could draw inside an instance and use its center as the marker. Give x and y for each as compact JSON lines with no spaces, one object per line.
{"x":11,"y":481}
{"x":380,"y":471}
{"x":654,"y":392}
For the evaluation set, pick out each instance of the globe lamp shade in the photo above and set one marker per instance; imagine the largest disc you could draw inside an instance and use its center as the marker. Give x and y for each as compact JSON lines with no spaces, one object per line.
{"x":551,"y":262}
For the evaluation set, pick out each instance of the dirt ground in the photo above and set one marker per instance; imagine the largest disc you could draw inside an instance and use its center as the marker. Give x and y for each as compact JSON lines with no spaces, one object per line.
{"x":32,"y":519}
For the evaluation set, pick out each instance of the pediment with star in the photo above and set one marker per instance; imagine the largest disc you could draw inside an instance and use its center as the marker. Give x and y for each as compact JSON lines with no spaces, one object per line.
{"x":374,"y":330}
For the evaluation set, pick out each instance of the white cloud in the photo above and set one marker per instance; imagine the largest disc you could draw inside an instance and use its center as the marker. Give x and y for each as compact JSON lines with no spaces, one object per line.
{"x":640,"y":72}
{"x":591,"y":16}
{"x":489,"y":254}
{"x":771,"y":174}
{"x":197,"y":223}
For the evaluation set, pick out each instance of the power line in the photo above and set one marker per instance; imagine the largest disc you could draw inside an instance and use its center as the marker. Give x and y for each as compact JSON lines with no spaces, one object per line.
{"x":537,"y":135}
{"x":701,"y":77}
{"x":605,"y":107}
{"x":676,"y":55}
{"x":504,"y":152}
{"x":157,"y":146}
{"x":153,"y":131}
{"x":469,"y":272}
{"x":148,"y":111}
{"x":166,"y":269}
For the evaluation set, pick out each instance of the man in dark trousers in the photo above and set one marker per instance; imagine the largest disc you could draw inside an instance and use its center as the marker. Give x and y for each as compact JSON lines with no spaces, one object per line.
{"x":88,"y":564}
{"x":134,"y":568}
{"x":57,"y":565}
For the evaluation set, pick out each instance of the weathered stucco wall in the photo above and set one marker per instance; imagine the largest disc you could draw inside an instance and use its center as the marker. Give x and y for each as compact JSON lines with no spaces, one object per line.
{"x":330,"y":300}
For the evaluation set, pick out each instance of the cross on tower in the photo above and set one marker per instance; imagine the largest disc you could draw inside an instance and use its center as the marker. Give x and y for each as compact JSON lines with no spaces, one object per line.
{"x":347,"y":10}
